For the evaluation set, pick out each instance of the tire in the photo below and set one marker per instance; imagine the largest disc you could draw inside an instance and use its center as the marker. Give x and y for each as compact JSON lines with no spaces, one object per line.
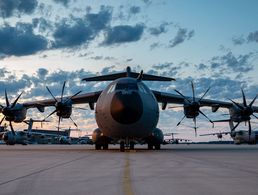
{"x":97,"y":146}
{"x":122,"y":146}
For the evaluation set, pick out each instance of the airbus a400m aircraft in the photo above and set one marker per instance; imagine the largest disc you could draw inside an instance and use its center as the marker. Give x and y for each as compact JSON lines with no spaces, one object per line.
{"x":127,"y":111}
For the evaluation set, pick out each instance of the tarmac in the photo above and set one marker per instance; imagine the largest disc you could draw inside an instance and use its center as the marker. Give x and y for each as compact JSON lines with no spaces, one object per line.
{"x":175,"y":169}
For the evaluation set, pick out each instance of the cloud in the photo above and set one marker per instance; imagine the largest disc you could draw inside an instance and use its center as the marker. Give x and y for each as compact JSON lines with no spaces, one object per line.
{"x":238,"y":63}
{"x":75,"y":32}
{"x":238,"y":40}
{"x":253,"y":37}
{"x":162,"y":28}
{"x":63,"y":2}
{"x":162,"y":66}
{"x":182,"y":35}
{"x":134,"y":10}
{"x":20,"y":40}
{"x":123,"y":34}
{"x":8,"y":8}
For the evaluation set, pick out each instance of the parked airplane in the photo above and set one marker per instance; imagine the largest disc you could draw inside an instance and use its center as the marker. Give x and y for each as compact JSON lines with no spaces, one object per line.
{"x":239,"y":137}
{"x":127,"y":110}
{"x":241,"y":113}
{"x":173,"y":140}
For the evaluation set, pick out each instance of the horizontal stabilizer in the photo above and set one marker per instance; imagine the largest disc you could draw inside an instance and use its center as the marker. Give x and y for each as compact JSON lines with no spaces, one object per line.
{"x":128,"y":73}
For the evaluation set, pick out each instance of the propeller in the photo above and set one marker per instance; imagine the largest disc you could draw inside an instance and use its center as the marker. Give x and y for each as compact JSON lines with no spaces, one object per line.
{"x":7,"y":110}
{"x":246,"y":112}
{"x":61,"y":106}
{"x":192,"y":105}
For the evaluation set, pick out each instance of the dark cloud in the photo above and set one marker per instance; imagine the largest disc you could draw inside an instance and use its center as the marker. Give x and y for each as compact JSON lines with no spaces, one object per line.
{"x":123,"y":34}
{"x":237,"y":63}
{"x":135,"y":10}
{"x":70,"y":35}
{"x":238,"y":40}
{"x":182,"y":35}
{"x":20,"y":40}
{"x":100,"y":20}
{"x":253,"y":37}
{"x":74,"y":32}
{"x":63,"y":2}
{"x":8,"y":8}
{"x":42,"y":24}
{"x":162,"y":66}
{"x":155,"y":45}
{"x":162,"y":28}
{"x":201,"y":66}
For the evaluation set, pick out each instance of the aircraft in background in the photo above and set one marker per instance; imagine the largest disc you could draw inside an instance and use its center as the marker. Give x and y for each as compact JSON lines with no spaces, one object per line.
{"x":127,"y":111}
{"x":173,"y":140}
{"x":241,"y":112}
{"x":239,"y":137}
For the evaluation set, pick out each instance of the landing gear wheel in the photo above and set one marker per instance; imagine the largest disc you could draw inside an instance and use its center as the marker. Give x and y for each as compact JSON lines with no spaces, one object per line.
{"x":97,"y":146}
{"x":105,"y":146}
{"x":157,"y":147}
{"x":131,"y":145}
{"x":150,"y":146}
{"x":122,"y":146}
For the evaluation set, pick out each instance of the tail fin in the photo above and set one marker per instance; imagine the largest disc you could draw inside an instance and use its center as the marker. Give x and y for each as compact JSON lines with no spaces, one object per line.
{"x":128,"y":73}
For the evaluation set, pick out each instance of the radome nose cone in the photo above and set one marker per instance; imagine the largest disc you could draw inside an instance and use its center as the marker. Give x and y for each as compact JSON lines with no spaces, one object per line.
{"x":126,"y":108}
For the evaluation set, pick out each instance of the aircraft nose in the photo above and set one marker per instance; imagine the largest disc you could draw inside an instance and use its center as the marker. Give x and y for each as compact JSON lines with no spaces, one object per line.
{"x":126,"y":108}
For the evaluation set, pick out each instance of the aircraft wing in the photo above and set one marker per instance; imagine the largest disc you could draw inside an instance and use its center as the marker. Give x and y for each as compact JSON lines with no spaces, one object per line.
{"x":79,"y":99}
{"x":177,"y":99}
{"x":228,"y":132}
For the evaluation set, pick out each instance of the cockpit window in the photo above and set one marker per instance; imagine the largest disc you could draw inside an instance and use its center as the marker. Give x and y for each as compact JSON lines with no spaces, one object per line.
{"x":126,"y":86}
{"x":111,"y":88}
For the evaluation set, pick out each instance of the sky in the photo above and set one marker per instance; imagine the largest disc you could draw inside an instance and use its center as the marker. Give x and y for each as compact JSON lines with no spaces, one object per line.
{"x":212,"y":43}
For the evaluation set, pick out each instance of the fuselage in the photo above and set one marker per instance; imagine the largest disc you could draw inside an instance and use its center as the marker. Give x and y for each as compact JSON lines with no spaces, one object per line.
{"x":127,"y":108}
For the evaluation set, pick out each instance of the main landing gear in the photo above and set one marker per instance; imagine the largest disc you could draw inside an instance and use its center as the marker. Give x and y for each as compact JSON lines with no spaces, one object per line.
{"x":126,"y":144}
{"x":156,"y":146}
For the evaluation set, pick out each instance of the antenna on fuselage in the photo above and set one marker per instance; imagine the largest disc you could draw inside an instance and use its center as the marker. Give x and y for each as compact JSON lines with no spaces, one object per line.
{"x":139,"y":78}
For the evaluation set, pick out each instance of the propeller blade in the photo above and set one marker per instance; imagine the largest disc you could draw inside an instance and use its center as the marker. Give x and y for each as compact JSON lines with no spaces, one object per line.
{"x":244,"y":99}
{"x":58,"y":125}
{"x":176,"y":107}
{"x":255,"y":116}
{"x":50,"y":114}
{"x":2,"y":120}
{"x":182,"y":96}
{"x":79,"y":108}
{"x":206,"y":116}
{"x":253,"y":101}
{"x":14,"y":103}
{"x":75,"y":94}
{"x":238,"y":105}
{"x":51,"y":93}
{"x":195,"y":128}
{"x":63,"y":91}
{"x":12,"y":128}
{"x":249,"y":129}
{"x":205,"y":93}
{"x":235,"y":126}
{"x":6,"y":99}
{"x":193,"y":90}
{"x":73,"y":122}
{"x":180,"y":121}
